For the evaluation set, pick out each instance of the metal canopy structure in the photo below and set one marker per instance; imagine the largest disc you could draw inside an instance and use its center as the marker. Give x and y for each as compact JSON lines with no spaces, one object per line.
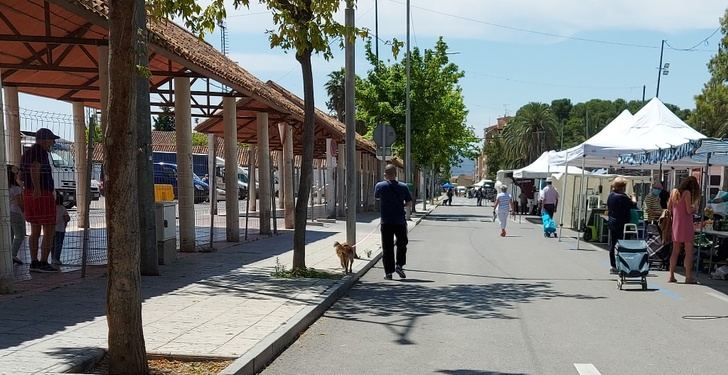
{"x":50,"y":48}
{"x":326,"y":126}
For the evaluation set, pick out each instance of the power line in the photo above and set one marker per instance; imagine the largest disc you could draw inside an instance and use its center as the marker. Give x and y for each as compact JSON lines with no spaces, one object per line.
{"x":530,"y":31}
{"x":698,"y":44}
{"x":551,"y":84}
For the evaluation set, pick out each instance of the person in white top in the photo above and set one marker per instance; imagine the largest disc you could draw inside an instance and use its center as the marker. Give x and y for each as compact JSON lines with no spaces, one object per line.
{"x":17,"y":220}
{"x":548,"y":198}
{"x":503,"y":207}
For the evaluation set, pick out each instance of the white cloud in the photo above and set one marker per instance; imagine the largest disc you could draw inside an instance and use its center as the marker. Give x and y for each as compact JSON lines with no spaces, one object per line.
{"x":564,"y":17}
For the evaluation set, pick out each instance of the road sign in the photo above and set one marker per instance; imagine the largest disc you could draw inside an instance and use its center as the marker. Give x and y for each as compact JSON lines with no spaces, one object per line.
{"x":384,"y":151}
{"x":384,"y":135}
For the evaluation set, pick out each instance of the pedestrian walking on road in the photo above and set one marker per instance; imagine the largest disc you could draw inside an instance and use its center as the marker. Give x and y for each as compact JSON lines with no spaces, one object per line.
{"x":479,"y":195}
{"x":450,"y":193}
{"x":683,"y":204}
{"x":503,"y":207}
{"x":549,"y":198}
{"x":39,"y":199}
{"x":394,"y":197}
{"x":17,"y":220}
{"x":619,"y":206}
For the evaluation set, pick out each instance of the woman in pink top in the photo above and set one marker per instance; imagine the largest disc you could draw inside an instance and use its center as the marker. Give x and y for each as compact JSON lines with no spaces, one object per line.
{"x":682,"y":205}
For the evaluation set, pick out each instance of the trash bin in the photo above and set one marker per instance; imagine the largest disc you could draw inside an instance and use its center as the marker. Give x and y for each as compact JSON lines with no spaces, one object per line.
{"x":166,"y":220}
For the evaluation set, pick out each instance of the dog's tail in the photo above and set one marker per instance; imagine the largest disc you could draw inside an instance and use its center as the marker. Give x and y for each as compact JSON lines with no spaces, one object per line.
{"x":337,"y":244}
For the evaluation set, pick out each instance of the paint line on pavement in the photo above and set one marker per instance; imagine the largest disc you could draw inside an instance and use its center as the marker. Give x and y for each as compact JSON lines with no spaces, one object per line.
{"x":668,"y":292}
{"x":718,"y":296}
{"x":586,"y":369}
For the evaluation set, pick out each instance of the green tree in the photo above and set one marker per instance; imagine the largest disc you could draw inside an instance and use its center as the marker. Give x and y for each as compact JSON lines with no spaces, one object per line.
{"x":165,"y":120}
{"x":335,"y":89}
{"x":530,"y":133}
{"x":440,"y":136}
{"x":711,"y":105}
{"x":199,"y":139}
{"x":336,"y":105}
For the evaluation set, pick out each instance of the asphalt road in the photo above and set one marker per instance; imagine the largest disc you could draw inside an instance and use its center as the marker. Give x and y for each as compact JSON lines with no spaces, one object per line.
{"x":476,"y":303}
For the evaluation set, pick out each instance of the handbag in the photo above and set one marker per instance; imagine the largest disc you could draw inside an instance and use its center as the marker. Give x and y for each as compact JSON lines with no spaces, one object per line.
{"x":666,"y":226}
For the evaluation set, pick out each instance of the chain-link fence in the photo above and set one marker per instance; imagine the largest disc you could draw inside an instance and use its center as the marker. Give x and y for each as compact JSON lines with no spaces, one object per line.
{"x":67,"y":161}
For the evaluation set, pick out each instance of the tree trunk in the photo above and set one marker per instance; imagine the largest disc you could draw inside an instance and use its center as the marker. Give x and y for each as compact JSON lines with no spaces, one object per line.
{"x":149,"y":256}
{"x":304,"y":185}
{"x":127,"y":353}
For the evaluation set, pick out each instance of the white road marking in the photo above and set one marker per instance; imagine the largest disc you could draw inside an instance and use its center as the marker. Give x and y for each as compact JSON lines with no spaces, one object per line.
{"x":586,"y":369}
{"x":718,"y":296}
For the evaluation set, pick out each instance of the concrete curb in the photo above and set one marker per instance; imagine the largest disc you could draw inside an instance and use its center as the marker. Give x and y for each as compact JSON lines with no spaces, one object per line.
{"x":258,"y":358}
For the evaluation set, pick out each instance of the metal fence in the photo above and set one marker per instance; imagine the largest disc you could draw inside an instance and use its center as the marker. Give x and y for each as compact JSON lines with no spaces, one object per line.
{"x":209,"y":226}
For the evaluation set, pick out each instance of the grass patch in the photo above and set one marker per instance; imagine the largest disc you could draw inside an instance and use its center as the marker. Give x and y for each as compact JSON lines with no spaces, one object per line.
{"x":280,"y":271}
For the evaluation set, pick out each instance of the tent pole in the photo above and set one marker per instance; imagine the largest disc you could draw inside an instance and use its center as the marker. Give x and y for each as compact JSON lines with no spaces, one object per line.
{"x":702,"y":206}
{"x":581,"y":204}
{"x":563,"y":204}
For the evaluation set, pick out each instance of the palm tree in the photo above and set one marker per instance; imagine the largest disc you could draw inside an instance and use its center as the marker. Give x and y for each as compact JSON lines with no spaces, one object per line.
{"x":531,"y":132}
{"x":335,"y":90}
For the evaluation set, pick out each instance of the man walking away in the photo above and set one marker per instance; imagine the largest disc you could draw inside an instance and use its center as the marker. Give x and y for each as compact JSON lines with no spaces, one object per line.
{"x":39,"y":199}
{"x":549,"y":198}
{"x":394,"y":197}
{"x":479,"y":196}
{"x":449,"y":196}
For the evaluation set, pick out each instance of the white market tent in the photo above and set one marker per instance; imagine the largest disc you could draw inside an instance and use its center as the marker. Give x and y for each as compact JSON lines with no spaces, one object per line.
{"x":548,"y":163}
{"x":651,"y":128}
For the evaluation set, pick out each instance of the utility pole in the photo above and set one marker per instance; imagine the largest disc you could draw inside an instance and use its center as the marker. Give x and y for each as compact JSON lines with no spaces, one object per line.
{"x":376,"y":30}
{"x":408,"y":116}
{"x":563,"y":123}
{"x":659,"y":69}
{"x":351,"y":167}
{"x":644,"y":88}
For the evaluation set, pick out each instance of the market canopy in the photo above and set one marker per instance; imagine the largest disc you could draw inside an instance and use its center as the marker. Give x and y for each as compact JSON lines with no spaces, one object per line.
{"x":651,"y":128}
{"x":691,"y":153}
{"x":548,"y":163}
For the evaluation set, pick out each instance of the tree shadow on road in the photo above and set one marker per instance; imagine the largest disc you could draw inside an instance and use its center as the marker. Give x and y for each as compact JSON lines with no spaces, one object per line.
{"x":476,"y":372}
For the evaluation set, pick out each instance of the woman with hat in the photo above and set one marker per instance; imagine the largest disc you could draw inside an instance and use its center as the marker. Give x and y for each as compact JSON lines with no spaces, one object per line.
{"x":619,"y":206}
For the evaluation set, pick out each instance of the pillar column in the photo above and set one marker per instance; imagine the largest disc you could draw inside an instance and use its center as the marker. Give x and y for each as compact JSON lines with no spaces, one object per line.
{"x":104,"y":83}
{"x":12,"y":124}
{"x":330,"y":183}
{"x":281,"y":167}
{"x":232,"y":216}
{"x":7,"y":277}
{"x":359,"y":181}
{"x":253,"y":179}
{"x":185,"y":187}
{"x":286,"y":174}
{"x":340,"y":188}
{"x":79,"y":140}
{"x":264,"y":168}
{"x":322,"y":183}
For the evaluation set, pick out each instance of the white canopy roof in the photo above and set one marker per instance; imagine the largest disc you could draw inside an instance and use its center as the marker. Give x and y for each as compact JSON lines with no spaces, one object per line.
{"x":548,"y":163}
{"x":653,"y":127}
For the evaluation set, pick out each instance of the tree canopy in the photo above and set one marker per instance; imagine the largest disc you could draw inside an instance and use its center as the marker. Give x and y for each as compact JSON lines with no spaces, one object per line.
{"x":165,"y":120}
{"x":539,"y":127}
{"x":711,"y":105}
{"x":440,"y":135}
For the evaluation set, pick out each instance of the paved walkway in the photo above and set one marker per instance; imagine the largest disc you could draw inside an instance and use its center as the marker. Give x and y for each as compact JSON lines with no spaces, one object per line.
{"x":205,"y":304}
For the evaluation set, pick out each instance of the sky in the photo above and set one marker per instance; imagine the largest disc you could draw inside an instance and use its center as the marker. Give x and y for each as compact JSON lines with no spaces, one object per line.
{"x":512,"y":51}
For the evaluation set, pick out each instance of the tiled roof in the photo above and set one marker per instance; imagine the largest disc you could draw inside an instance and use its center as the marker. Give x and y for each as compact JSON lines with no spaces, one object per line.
{"x":203,"y":58}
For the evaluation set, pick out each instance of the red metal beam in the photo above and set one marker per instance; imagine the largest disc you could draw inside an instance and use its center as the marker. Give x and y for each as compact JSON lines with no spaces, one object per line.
{"x":53,"y":40}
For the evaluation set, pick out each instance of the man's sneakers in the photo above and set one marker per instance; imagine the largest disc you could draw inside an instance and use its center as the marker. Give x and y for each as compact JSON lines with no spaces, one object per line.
{"x":612,"y":271}
{"x":37,"y":266}
{"x":400,"y":272}
{"x":388,"y":276}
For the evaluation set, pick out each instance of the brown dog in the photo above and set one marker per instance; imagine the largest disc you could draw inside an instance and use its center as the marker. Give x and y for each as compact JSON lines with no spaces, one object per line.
{"x":346,"y":255}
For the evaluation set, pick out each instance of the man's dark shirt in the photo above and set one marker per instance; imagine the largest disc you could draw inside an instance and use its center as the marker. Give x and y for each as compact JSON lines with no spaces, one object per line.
{"x":619,"y":206}
{"x":34,"y":154}
{"x":664,"y":196}
{"x":392,"y":196}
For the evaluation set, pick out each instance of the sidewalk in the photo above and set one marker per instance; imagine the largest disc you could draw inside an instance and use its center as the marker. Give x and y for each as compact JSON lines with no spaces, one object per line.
{"x":223,"y":304}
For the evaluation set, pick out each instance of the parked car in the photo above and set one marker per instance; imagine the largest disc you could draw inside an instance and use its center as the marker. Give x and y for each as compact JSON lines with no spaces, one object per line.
{"x":166,"y":173}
